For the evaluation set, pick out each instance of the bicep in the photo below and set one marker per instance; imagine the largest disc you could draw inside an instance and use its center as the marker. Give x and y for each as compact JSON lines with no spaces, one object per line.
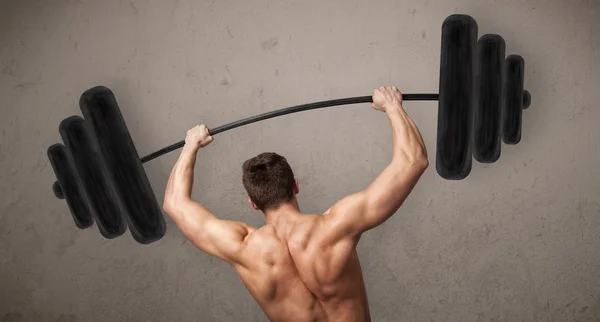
{"x":220,"y":238}
{"x":359,"y":212}
{"x":223,"y":239}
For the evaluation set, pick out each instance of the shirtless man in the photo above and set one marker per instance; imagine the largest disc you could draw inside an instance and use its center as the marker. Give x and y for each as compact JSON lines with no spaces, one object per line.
{"x":300,"y":267}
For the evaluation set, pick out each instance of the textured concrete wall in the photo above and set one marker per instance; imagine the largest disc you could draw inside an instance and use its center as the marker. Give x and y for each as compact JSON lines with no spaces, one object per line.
{"x":518,"y":240}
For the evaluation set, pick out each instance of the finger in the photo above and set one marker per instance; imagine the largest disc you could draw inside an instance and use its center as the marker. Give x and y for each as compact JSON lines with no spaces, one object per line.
{"x":207,"y":141}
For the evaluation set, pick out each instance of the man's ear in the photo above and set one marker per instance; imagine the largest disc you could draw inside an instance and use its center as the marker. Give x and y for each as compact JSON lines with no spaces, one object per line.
{"x":252,"y":204}
{"x":296,"y":187}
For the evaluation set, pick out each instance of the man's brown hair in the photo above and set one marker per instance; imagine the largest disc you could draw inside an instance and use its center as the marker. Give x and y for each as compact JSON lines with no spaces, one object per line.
{"x":269,"y":180}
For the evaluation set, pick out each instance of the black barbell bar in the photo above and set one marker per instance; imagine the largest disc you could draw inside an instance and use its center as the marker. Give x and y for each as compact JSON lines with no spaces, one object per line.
{"x":285,"y":111}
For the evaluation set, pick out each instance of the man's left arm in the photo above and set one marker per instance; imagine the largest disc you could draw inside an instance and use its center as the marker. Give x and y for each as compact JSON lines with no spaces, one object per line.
{"x":221,"y":238}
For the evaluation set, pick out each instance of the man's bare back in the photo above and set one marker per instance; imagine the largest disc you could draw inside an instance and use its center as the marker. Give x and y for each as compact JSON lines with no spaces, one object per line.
{"x":273,"y":280}
{"x":300,"y":267}
{"x":288,"y":286}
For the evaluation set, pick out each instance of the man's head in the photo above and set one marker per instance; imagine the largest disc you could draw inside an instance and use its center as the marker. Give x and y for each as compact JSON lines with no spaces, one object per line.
{"x":269,"y":181}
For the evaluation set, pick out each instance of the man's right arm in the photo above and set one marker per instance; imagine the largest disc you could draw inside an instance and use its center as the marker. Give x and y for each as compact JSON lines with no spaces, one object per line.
{"x":357,"y":213}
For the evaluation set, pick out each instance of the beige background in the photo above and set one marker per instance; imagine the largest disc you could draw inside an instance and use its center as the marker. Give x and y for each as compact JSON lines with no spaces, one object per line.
{"x":518,"y":240}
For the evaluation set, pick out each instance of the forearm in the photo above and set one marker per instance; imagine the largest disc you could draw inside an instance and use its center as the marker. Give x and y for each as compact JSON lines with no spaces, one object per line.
{"x":188,"y":215}
{"x":408,"y":146}
{"x":409,"y":160}
{"x":392,"y":186}
{"x":179,"y":186}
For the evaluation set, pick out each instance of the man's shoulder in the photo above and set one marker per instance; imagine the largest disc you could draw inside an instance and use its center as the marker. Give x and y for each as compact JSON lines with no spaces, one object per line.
{"x":305,"y":229}
{"x":308,"y":220}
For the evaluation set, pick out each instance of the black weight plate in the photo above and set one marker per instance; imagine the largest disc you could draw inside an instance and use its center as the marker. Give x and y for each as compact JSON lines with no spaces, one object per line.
{"x":135,"y":195}
{"x":513,"y":107}
{"x":455,"y":110}
{"x":69,"y":186}
{"x":88,"y":162}
{"x":487,"y":114}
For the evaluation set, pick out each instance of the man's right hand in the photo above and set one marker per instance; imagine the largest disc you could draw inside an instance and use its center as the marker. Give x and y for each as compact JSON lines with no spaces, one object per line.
{"x":386,"y":97}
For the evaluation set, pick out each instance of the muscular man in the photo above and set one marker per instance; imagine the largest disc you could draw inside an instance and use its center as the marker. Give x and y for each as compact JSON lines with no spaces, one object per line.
{"x":300,"y":267}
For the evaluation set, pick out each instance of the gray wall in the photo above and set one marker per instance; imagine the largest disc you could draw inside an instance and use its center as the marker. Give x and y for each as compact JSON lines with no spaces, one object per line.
{"x":517,"y":240}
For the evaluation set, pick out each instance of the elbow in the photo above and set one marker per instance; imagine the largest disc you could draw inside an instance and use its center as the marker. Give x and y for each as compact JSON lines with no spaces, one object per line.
{"x":169,"y":206}
{"x":417,"y":161}
{"x":175,"y":207}
{"x":418,"y":166}
{"x":421,"y":162}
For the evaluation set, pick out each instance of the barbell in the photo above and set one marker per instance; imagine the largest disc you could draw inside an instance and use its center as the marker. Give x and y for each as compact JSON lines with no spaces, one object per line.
{"x":100,"y":175}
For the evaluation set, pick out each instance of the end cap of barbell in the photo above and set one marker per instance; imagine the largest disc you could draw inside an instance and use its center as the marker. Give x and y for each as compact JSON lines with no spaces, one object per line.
{"x":526,"y":99}
{"x":57,"y":190}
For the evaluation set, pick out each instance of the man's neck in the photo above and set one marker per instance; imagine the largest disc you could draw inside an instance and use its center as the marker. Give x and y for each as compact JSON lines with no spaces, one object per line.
{"x":283,"y":218}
